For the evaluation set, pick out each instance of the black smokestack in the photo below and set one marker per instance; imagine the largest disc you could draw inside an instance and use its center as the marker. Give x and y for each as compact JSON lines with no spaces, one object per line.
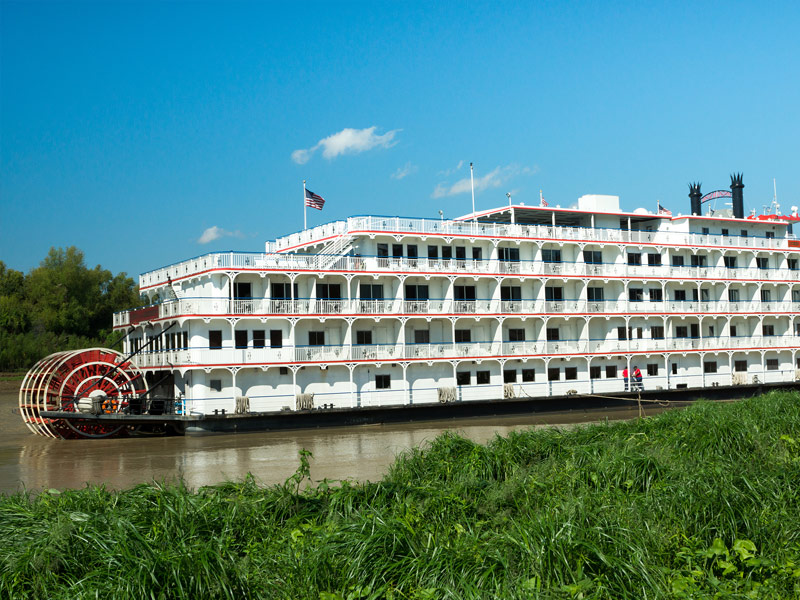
{"x":694,"y":196}
{"x":737,"y":196}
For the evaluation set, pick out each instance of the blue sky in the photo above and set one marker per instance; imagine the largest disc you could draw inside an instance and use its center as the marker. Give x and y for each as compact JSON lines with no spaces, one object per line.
{"x":131,"y":129}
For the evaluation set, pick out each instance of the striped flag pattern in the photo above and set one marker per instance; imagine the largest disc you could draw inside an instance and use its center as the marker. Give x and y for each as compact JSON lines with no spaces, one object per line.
{"x":314,"y":200}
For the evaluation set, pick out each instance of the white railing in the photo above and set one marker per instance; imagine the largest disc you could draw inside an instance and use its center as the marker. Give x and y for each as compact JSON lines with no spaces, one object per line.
{"x":371,"y":264}
{"x":426,"y":227}
{"x":186,"y":307}
{"x":454,"y":351}
{"x":517,"y":231}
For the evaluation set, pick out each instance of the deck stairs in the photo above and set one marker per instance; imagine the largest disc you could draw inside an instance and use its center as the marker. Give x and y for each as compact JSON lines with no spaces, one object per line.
{"x":334,"y":250}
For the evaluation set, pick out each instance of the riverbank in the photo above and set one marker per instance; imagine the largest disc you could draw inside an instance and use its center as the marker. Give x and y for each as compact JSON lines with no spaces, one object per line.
{"x":686,"y":504}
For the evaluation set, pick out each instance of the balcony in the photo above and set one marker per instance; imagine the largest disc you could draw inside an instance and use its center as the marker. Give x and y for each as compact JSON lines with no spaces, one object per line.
{"x":452,"y":351}
{"x":192,"y":307}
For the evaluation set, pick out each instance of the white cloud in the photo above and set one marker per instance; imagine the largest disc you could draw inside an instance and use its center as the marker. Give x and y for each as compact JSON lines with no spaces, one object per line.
{"x":404,"y":171}
{"x":347,"y":141}
{"x":448,"y":172}
{"x":214,"y":233}
{"x":493,"y":179}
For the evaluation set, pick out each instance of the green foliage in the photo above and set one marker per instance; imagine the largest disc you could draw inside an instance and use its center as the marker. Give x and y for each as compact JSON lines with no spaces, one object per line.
{"x":60,"y":305}
{"x":701,"y":503}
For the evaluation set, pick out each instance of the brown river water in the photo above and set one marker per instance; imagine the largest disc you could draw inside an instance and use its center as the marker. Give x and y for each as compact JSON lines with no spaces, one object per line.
{"x":358,"y":453}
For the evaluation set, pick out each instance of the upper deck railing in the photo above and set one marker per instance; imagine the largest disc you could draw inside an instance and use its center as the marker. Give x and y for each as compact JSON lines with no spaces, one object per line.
{"x":260,"y":307}
{"x":276,"y":259}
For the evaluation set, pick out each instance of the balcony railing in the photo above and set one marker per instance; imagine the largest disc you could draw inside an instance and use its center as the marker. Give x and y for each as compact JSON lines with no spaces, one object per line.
{"x":355,"y":225}
{"x":454,"y":351}
{"x":186,"y":307}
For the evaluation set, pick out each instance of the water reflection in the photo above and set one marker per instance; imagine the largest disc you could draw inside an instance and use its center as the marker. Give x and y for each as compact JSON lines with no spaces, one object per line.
{"x":361,"y":453}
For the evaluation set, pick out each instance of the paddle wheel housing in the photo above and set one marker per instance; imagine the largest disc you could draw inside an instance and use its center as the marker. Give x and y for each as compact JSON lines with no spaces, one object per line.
{"x":95,"y":381}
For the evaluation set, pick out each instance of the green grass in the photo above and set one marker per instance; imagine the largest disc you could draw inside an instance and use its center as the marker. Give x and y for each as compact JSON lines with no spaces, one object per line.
{"x":700,"y":503}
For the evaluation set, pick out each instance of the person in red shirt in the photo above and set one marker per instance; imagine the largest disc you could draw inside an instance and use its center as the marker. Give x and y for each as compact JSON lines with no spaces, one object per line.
{"x":637,"y":380}
{"x":625,"y":377}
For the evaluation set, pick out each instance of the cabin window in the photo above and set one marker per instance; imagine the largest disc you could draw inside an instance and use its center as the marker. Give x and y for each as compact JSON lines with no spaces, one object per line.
{"x":508,"y":254}
{"x":240,"y":339}
{"x":770,"y":234}
{"x":215,"y":339}
{"x":477,"y":254}
{"x":772,"y":364}
{"x":654,"y":260}
{"x":762,"y":262}
{"x":677,"y":261}
{"x":461,"y":253}
{"x":371,"y":291}
{"x":792,"y":264}
{"x":283,"y":291}
{"x":595,"y":372}
{"x":657,"y":332}
{"x":553,"y":294}
{"x":635,"y":294}
{"x":283,"y":370}
{"x":733,"y":295}
{"x":528,"y":375}
{"x":652,"y":370}
{"x":316,"y":338}
{"x":766,"y":295}
{"x":416,"y":292}
{"x":551,"y":256}
{"x":411,"y":251}
{"x":705,"y":230}
{"x":383,"y":382}
{"x":422,"y":336}
{"x":511,"y":293}
{"x":699,"y":260}
{"x":482,"y":377}
{"x":622,"y":333}
{"x":743,"y":233}
{"x":674,"y":368}
{"x":363,"y":338}
{"x":680,"y":295}
{"x":553,"y":374}
{"x":329,"y":291}
{"x":463,"y":336}
{"x":447,"y":253}
{"x":710,"y":366}
{"x":740,"y":366}
{"x":383,"y":250}
{"x":769,"y":330}
{"x":259,"y":338}
{"x":552,"y":334}
{"x":397,"y":250}
{"x":275,"y":338}
{"x":433,"y":252}
{"x":681,"y":332}
{"x":611,"y":371}
{"x":634,"y":258}
{"x":594,"y":294}
{"x":215,"y":385}
{"x":656,"y":295}
{"x":242,"y":290}
{"x":510,"y":376}
{"x":733,"y":330}
{"x":516,"y":335}
{"x":592,"y":257}
{"x":463,"y":378}
{"x":730,"y":262}
{"x":571,"y":373}
{"x":795,"y":295}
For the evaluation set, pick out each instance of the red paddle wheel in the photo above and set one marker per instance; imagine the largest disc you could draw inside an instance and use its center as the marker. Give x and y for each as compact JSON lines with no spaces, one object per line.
{"x":94,"y":381}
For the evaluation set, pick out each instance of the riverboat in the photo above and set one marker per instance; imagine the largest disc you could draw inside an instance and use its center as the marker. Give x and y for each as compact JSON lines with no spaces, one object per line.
{"x":377,"y":315}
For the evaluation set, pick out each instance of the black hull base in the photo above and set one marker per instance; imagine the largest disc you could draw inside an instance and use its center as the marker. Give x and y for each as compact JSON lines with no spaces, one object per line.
{"x":338,"y":417}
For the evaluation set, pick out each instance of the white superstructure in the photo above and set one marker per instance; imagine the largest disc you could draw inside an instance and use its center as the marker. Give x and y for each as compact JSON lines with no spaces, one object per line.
{"x":514,"y":302}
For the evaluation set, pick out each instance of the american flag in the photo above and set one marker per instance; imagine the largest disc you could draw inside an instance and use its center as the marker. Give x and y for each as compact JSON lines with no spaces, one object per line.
{"x":314,"y":201}
{"x":663,"y":211}
{"x":543,"y":202}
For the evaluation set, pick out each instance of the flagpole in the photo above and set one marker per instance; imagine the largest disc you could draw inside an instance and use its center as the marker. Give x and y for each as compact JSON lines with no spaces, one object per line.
{"x":472,"y":184}
{"x":305,"y":226}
